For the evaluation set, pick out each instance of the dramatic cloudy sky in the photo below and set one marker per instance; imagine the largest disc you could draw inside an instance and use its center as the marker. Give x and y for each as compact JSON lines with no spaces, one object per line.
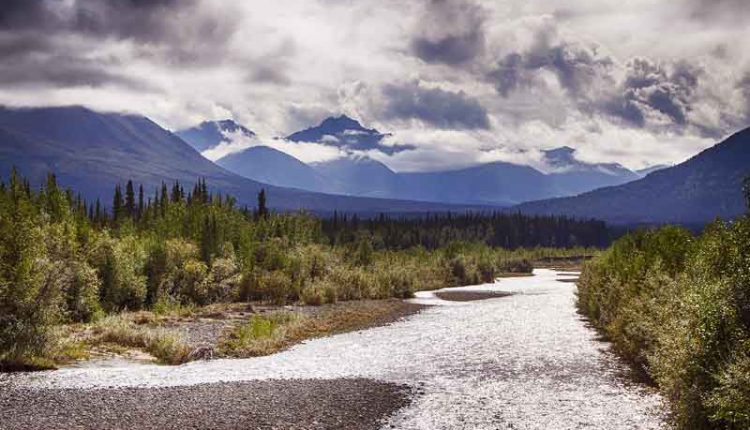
{"x":462,"y":81}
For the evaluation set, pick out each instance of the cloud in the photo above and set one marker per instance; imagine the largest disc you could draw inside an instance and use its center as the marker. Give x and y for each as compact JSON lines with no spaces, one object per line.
{"x":306,"y":152}
{"x":434,"y":106}
{"x":451,"y":32}
{"x":656,"y":94}
{"x":576,"y":66}
{"x":729,"y":10}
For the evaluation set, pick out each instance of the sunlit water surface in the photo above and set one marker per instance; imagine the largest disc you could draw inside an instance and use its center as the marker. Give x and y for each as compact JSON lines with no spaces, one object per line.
{"x":527,"y":361}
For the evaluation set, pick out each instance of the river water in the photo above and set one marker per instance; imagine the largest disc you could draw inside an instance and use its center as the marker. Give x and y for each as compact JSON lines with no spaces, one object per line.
{"x":526,"y":361}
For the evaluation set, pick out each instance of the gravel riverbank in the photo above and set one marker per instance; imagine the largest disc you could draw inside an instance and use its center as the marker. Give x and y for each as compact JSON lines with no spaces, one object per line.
{"x":272,"y":404}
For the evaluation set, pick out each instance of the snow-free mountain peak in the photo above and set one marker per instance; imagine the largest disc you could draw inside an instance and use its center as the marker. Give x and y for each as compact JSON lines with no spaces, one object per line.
{"x":348,"y":134}
{"x":209,"y":134}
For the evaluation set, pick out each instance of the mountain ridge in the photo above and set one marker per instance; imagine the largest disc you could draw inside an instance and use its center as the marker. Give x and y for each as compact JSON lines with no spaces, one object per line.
{"x":706,"y":186}
{"x":92,"y":152}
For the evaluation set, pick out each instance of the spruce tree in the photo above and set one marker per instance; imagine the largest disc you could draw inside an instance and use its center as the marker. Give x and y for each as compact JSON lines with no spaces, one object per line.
{"x":141,"y":206}
{"x":130,"y":200}
{"x":118,"y":205}
{"x":98,"y":218}
{"x":262,"y":208}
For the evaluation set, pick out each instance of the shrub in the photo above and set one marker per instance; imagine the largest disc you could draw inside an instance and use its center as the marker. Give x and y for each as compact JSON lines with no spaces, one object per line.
{"x":121,"y":265}
{"x":312,"y":295}
{"x":679,"y":309}
{"x":275,"y":287}
{"x":223,"y":280}
{"x":82,"y":293}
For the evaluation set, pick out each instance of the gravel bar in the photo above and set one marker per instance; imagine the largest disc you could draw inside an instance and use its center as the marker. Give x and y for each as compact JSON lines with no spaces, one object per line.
{"x":272,"y":404}
{"x":470,"y":296}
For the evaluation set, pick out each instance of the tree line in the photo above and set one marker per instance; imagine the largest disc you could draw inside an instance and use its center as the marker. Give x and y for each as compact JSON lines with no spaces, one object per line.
{"x":496,"y":229}
{"x":65,"y":260}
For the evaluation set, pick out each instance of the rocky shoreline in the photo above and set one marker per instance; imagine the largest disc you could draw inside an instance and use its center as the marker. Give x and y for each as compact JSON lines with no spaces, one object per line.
{"x":273,"y":404}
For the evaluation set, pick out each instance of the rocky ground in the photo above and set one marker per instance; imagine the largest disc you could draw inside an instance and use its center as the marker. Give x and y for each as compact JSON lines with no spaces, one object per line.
{"x":272,"y":404}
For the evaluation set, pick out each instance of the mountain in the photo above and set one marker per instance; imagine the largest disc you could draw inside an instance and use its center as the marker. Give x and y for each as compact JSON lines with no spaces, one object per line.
{"x":91,"y":152}
{"x":346,"y":133}
{"x":569,"y":176}
{"x":500,"y":183}
{"x":360,"y":176}
{"x":649,"y":170}
{"x":209,"y":134}
{"x":271,"y":166}
{"x":495,"y":183}
{"x":696,"y":191}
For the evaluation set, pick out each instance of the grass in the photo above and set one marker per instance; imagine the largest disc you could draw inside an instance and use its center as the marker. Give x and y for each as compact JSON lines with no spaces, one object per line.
{"x":124,"y":331}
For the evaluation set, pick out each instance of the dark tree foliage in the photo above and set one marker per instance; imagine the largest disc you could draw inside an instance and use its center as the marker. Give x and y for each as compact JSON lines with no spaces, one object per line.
{"x":118,"y":205}
{"x":130,"y":200}
{"x":141,"y":202}
{"x":262,"y":208}
{"x":495,"y":229}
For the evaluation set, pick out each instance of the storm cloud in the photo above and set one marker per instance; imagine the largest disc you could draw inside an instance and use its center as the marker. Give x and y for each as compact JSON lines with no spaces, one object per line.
{"x":650,"y":89}
{"x":466,"y":80}
{"x":434,"y":106}
{"x":451,"y":32}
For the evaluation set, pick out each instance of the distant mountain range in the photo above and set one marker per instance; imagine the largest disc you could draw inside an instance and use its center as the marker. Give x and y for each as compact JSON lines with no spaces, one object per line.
{"x":706,"y":186}
{"x":91,"y":152}
{"x":497,"y":183}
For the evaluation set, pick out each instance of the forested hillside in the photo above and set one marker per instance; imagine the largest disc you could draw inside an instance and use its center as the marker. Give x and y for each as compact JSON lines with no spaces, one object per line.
{"x":694,"y":192}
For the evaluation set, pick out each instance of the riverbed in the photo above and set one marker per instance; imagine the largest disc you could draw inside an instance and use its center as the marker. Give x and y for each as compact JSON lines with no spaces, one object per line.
{"x":524,"y":359}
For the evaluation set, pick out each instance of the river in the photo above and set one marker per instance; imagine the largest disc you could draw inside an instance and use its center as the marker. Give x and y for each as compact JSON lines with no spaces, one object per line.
{"x":525,"y":361}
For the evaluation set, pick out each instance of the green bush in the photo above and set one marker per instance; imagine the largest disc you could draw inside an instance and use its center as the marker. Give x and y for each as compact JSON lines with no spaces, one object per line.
{"x":275,"y":287}
{"x":121,"y":265}
{"x":82,"y":293}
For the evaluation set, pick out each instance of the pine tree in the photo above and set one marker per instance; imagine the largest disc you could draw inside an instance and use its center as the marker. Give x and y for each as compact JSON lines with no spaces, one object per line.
{"x":262,"y":208}
{"x":204,"y":191}
{"x":130,"y":200}
{"x":98,"y":218}
{"x":118,"y":205}
{"x":141,"y":206}
{"x":164,"y":201}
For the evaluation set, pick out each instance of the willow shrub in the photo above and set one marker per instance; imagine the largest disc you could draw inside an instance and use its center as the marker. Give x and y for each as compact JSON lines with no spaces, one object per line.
{"x":678,"y":307}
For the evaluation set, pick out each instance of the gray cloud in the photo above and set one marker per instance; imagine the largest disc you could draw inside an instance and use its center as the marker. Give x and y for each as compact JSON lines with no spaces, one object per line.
{"x":142,"y":20}
{"x":651,"y":88}
{"x":707,"y":10}
{"x":575,"y":66}
{"x":452,"y":32}
{"x":53,"y":43}
{"x":434,"y":106}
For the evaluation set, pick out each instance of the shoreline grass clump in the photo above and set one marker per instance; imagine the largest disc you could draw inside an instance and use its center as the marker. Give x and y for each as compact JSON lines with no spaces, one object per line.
{"x":165,"y":345}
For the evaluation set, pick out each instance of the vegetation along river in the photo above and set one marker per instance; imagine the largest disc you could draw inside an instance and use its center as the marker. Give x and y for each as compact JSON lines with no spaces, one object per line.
{"x":525,"y":360}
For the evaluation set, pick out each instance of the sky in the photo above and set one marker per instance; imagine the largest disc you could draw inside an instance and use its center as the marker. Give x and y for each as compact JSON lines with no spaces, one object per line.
{"x":454,"y":82}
